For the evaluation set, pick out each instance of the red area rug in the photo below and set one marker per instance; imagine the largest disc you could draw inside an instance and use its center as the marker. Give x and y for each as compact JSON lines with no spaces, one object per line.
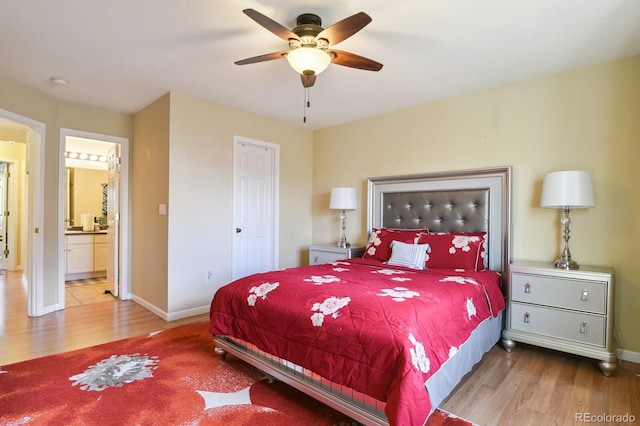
{"x":172,"y":377}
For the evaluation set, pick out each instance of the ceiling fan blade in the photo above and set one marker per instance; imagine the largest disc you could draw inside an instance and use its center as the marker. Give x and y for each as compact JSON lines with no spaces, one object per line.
{"x":344,"y":29}
{"x":262,"y":58}
{"x":308,"y":80}
{"x":352,"y":60}
{"x":271,"y":25}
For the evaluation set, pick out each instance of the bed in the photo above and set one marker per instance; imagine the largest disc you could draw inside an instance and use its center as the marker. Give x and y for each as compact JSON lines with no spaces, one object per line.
{"x":384,"y":339}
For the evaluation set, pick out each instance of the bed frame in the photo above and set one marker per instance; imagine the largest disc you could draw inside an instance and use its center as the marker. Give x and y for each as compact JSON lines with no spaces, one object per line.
{"x":461,"y":201}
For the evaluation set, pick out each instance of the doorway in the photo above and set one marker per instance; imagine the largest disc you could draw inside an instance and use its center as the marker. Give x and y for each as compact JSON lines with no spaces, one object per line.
{"x":107,"y":157}
{"x":255,"y":206}
{"x":28,"y":134}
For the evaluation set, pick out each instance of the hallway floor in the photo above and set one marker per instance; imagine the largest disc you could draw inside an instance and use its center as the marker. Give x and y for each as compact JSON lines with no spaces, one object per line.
{"x":23,"y":337}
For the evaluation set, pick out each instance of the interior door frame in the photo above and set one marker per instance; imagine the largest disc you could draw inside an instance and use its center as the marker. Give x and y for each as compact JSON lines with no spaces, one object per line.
{"x":125,"y":291}
{"x":33,"y":274}
{"x":274,"y":150}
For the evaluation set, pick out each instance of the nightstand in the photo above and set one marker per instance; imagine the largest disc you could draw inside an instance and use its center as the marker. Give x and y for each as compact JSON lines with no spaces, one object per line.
{"x":326,"y":253}
{"x":565,"y":310}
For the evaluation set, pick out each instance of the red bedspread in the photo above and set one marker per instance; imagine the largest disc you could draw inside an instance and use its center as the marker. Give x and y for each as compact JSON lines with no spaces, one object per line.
{"x":380,"y":330}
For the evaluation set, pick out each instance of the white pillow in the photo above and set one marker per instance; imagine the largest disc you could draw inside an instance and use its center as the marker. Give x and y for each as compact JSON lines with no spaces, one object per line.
{"x":408,"y":255}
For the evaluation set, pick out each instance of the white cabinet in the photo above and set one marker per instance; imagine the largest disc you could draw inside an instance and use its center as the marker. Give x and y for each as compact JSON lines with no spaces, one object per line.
{"x":79,"y":253}
{"x":566,"y":310}
{"x":100,"y":252}
{"x":86,"y":255}
{"x":326,"y":253}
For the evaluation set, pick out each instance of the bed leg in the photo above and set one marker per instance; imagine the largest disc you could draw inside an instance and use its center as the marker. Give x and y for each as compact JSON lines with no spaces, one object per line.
{"x":508,"y":344}
{"x":220,"y":352}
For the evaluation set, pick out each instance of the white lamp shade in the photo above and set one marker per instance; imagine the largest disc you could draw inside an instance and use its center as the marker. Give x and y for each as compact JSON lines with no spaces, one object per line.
{"x":308,"y":59}
{"x":571,"y":189}
{"x":343,"y":198}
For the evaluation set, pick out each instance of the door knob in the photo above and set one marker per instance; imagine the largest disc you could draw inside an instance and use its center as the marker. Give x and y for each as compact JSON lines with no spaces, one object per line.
{"x":238,"y":230}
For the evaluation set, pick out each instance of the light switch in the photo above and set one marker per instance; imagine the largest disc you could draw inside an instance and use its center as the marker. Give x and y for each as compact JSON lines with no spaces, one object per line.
{"x":162,"y":209}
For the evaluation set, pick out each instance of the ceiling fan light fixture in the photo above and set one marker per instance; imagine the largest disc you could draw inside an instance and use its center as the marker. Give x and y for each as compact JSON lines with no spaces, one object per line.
{"x":308,"y":60}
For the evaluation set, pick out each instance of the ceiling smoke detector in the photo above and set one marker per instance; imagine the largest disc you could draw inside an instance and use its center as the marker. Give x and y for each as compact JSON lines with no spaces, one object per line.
{"x":59,"y":81}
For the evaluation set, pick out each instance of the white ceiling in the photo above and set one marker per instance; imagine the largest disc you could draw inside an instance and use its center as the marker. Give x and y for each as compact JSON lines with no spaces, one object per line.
{"x":124,"y":54}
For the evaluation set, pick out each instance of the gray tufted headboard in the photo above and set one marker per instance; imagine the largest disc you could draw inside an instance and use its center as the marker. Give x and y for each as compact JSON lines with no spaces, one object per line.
{"x":463,"y":201}
{"x":438,"y":211}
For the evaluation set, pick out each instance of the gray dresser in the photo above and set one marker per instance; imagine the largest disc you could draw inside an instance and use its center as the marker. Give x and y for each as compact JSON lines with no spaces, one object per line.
{"x":565,"y":310}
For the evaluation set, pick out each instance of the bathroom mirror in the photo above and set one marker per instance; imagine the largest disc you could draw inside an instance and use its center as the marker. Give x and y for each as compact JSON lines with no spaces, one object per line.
{"x":85,"y":192}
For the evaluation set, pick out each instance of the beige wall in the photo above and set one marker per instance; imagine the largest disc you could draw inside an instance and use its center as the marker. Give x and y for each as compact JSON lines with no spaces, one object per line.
{"x":586,"y":119}
{"x":183,"y":157}
{"x":33,"y":104}
{"x":149,"y":188}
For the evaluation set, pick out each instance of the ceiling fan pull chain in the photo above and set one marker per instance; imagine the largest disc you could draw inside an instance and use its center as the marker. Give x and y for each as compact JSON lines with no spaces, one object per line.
{"x":307,"y":104}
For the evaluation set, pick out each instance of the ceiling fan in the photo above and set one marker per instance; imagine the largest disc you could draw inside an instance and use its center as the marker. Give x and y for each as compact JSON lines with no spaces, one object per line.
{"x":311,"y":46}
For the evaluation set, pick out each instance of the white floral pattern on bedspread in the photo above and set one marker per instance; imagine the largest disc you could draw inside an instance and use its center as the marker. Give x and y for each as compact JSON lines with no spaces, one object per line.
{"x":324,"y":279}
{"x":399,"y":294}
{"x":352,"y":323}
{"x":261,"y":292}
{"x":329,"y":307}
{"x":418,"y":356}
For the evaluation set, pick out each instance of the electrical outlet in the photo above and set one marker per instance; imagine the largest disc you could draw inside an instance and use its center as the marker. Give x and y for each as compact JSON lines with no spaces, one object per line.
{"x":209,"y":276}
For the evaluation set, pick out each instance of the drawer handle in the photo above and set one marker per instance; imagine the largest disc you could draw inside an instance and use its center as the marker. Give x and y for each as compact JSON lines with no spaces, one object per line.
{"x":527,"y":288}
{"x":526,"y":317}
{"x":315,"y":259}
{"x":584,"y":327}
{"x":585,"y":295}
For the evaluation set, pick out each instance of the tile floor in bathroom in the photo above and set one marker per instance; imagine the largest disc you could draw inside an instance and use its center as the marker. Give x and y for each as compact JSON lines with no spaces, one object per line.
{"x":86,"y":292}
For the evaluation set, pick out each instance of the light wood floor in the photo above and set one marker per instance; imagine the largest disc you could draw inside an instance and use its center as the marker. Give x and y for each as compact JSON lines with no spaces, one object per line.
{"x":530,"y":386}
{"x":22,"y":337}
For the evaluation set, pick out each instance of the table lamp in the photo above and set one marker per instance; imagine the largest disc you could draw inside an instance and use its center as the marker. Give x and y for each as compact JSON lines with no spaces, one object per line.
{"x":567,"y":190}
{"x":343,"y":198}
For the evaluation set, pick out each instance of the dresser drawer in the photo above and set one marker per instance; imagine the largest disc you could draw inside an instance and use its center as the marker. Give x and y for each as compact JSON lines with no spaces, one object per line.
{"x":575,"y":326}
{"x":317,"y":257}
{"x":327,"y":253}
{"x":579,"y":295}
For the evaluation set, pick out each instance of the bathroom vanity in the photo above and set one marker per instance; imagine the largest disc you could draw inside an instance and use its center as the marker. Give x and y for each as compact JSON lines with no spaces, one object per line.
{"x":86,"y":254}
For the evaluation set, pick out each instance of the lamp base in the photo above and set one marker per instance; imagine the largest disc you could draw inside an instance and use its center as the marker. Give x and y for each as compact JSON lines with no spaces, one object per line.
{"x":566,"y":264}
{"x":343,"y":243}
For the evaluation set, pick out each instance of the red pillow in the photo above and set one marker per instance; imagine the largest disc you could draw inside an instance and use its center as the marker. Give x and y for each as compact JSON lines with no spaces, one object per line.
{"x":461,"y":250}
{"x":379,"y":245}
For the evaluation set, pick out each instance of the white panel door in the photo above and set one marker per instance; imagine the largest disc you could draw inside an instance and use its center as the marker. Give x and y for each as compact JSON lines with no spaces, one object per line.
{"x":113,"y":220}
{"x":254,"y":197}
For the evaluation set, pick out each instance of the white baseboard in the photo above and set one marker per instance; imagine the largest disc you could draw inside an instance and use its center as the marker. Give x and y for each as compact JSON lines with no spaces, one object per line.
{"x":630,"y":356}
{"x":149,"y":306}
{"x":186,"y":313}
{"x":170,"y":316}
